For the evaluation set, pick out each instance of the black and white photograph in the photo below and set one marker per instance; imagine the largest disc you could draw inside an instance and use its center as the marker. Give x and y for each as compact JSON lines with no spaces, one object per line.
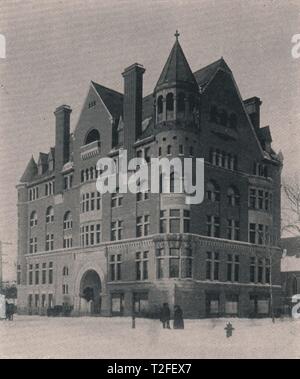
{"x":150,"y":181}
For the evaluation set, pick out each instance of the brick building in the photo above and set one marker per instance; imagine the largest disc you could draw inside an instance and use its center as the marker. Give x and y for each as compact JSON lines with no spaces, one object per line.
{"x":114,"y":253}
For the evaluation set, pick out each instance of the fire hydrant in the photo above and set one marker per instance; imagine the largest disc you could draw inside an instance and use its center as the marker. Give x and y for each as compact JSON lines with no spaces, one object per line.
{"x":229,"y":329}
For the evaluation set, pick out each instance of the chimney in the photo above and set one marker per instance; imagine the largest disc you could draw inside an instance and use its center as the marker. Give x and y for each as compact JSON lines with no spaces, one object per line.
{"x":253,"y":109}
{"x":132,"y":106}
{"x":62,"y":143}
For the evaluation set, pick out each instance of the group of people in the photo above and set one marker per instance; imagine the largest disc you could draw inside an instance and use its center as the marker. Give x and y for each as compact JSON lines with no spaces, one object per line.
{"x":165,"y":317}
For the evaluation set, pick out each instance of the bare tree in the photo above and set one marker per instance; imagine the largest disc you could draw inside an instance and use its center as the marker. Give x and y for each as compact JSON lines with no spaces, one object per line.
{"x":291,"y":205}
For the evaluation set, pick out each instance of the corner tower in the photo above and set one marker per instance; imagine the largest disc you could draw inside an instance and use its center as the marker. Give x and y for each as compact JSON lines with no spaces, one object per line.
{"x":176,"y":92}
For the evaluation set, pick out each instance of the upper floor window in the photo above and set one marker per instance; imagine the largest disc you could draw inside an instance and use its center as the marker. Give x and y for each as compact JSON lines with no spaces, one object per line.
{"x":33,"y":219}
{"x":116,"y":199}
{"x":92,"y":136}
{"x":212,"y":191}
{"x":68,"y":220}
{"x":181,"y":102}
{"x":33,"y":193}
{"x":160,"y":105}
{"x":170,"y":102}
{"x":233,"y":196}
{"x":212,"y":265}
{"x":213,"y":226}
{"x":68,"y":182}
{"x":49,"y":215}
{"x":65,"y":271}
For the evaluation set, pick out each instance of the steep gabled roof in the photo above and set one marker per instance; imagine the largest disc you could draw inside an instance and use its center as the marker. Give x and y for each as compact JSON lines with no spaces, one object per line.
{"x":204,"y":75}
{"x":30,"y":171}
{"x":176,"y":69}
{"x":112,"y":99}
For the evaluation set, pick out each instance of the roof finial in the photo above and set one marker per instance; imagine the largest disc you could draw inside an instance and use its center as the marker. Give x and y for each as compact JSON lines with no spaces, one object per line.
{"x":177,"y":34}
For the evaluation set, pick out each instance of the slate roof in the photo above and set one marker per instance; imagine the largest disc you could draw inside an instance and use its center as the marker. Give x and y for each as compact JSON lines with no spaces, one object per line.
{"x":204,"y":75}
{"x":112,"y":99}
{"x":30,"y":171}
{"x":176,"y":69}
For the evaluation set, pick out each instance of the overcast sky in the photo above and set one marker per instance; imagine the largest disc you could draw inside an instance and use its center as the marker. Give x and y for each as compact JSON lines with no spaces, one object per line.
{"x":54,"y":49}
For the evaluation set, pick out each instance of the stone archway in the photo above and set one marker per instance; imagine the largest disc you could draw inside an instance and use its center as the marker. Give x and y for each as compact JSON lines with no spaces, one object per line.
{"x":90,"y":293}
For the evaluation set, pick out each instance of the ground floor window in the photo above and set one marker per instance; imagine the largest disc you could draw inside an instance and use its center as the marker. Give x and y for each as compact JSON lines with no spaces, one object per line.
{"x":212,"y":304}
{"x":259,"y":305}
{"x":140,"y":303}
{"x":232,"y":305}
{"x":117,"y":304}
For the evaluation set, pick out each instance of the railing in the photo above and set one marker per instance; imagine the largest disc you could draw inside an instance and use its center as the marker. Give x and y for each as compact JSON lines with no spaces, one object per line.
{"x":90,"y":150}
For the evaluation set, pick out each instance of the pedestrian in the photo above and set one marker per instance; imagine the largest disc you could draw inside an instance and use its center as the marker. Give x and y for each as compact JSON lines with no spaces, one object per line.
{"x":178,"y":318}
{"x":165,"y":316}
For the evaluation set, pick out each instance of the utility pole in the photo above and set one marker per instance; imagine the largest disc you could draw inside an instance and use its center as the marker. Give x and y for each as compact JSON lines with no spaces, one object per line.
{"x":1,"y":261}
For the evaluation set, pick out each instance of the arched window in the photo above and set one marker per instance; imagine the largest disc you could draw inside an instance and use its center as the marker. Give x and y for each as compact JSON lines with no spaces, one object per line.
{"x":33,"y":218}
{"x":87,"y":174}
{"x":212,"y":191}
{"x":49,"y":215}
{"x":92,"y":136}
{"x":181,"y":102}
{"x":160,"y":105}
{"x":233,"y":121}
{"x":92,"y":173}
{"x":169,"y":149}
{"x":170,"y":102}
{"x":82,"y":176}
{"x":68,"y":220}
{"x":223,"y":118}
{"x":233,"y":196}
{"x":213,"y":113}
{"x":65,"y":271}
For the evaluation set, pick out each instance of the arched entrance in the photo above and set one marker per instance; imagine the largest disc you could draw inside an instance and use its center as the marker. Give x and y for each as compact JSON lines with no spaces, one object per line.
{"x":90,"y":293}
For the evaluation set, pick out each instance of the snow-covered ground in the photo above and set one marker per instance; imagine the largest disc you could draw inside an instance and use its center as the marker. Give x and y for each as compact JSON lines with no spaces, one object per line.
{"x":42,"y":337}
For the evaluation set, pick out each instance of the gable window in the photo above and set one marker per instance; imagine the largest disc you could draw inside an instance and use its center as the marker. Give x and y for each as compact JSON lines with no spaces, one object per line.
{"x":92,"y":136}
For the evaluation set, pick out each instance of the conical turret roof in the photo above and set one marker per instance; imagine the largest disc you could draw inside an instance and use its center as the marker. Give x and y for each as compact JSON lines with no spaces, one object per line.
{"x":176,"y":70}
{"x":30,"y":171}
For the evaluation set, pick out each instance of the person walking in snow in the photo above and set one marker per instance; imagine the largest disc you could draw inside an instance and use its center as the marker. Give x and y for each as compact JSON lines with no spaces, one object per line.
{"x":165,"y":315}
{"x":178,"y":318}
